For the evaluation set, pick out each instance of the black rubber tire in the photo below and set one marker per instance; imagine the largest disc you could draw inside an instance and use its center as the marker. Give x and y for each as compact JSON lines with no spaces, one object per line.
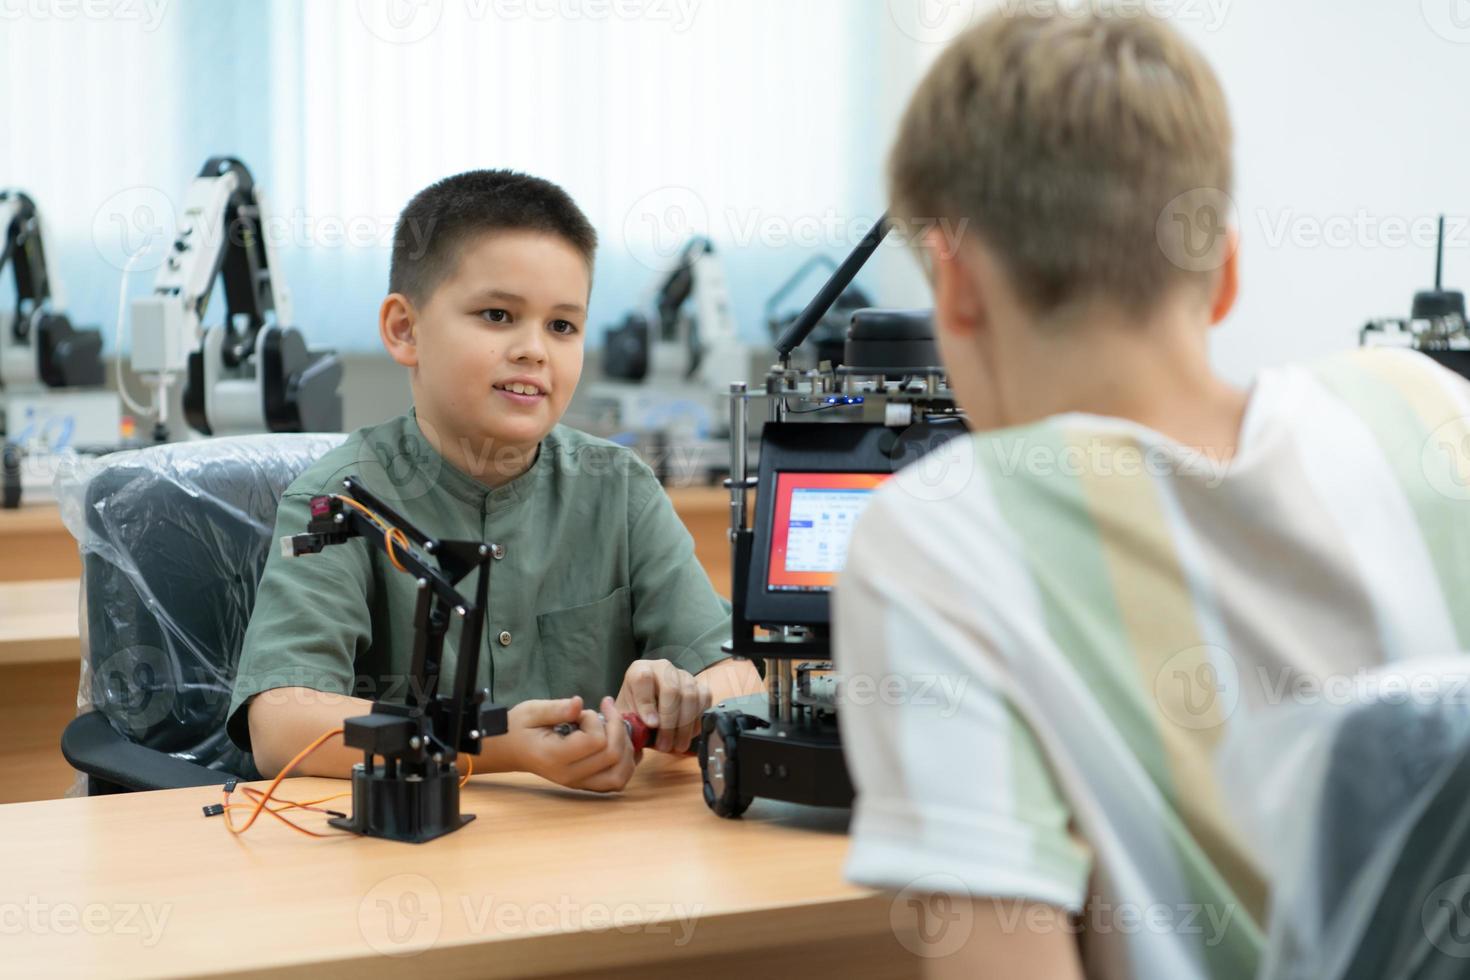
{"x":721,"y":730}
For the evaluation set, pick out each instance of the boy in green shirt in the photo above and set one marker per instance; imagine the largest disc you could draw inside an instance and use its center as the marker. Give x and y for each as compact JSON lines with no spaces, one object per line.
{"x":596,"y":597}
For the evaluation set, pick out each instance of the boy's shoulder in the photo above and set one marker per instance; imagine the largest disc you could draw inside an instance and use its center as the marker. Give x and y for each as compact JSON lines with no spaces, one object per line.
{"x":387,"y":449}
{"x":569,"y":444}
{"x":590,"y":461}
{"x":395,"y":461}
{"x":1390,"y":364}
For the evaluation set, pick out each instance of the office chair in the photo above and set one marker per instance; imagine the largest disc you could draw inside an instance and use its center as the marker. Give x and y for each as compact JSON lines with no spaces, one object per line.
{"x":1383,"y":887}
{"x":174,"y":540}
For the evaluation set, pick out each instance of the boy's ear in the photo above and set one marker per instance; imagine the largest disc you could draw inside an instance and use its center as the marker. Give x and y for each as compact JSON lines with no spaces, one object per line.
{"x":959,"y":304}
{"x":398,"y":328}
{"x":1227,"y":287}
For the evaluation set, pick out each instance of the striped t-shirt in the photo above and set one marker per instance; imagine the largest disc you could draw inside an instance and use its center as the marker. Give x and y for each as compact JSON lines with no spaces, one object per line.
{"x":1045,"y":632}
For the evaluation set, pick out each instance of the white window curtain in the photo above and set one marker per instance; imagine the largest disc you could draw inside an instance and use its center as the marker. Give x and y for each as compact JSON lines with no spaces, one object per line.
{"x":757,"y":122}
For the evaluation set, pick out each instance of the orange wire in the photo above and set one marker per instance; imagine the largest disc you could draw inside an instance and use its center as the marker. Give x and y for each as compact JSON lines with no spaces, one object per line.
{"x":256,"y":794}
{"x":260,"y":804}
{"x":392,"y":536}
{"x":262,"y":800}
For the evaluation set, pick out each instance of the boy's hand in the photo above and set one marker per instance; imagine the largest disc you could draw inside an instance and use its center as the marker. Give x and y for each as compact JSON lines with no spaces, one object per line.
{"x":667,"y":698}
{"x":597,"y":756}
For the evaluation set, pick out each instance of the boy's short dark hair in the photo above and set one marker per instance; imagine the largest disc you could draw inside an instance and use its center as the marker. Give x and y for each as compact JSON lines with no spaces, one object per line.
{"x":436,"y":224}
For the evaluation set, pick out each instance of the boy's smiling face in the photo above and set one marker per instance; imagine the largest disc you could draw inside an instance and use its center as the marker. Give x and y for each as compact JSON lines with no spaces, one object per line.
{"x":495,"y":349}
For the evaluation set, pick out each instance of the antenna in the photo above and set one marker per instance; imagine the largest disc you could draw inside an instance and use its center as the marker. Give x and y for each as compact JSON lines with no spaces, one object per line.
{"x":1439,"y":256}
{"x":808,"y":319}
{"x":1438,"y":302}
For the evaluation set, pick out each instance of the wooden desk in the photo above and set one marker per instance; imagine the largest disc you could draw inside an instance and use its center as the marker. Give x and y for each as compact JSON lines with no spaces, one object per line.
{"x":39,"y":660}
{"x":38,"y":621}
{"x":545,"y":882}
{"x":34,"y":544}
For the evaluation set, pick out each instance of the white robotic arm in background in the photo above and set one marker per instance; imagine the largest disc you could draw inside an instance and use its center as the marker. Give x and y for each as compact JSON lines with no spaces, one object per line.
{"x":691,"y":337}
{"x":252,"y":373}
{"x":668,"y":365}
{"x":38,"y":346}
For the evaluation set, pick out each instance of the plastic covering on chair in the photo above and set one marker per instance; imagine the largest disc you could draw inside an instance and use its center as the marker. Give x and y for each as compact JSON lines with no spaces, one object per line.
{"x":1358,"y":807}
{"x":173,"y":542}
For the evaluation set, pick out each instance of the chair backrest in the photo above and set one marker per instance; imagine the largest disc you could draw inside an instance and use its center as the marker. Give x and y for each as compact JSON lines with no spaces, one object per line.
{"x":174,"y":540}
{"x":1358,"y":812}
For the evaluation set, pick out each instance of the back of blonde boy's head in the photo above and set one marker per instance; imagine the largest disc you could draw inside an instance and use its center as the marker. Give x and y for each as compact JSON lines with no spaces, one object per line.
{"x":1090,"y":149}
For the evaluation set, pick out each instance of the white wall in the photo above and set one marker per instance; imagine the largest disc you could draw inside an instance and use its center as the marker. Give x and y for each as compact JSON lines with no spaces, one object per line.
{"x":1353,"y":131}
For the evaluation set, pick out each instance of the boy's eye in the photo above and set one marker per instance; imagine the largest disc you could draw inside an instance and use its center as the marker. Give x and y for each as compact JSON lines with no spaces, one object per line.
{"x":495,"y":315}
{"x":566,"y":327}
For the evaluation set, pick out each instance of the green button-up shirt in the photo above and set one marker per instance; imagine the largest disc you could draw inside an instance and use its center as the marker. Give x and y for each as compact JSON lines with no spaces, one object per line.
{"x":594,"y":571}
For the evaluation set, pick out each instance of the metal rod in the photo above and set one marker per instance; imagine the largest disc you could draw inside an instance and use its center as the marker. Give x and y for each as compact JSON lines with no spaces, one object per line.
{"x":739,"y":446}
{"x":788,"y":687}
{"x":773,"y":688}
